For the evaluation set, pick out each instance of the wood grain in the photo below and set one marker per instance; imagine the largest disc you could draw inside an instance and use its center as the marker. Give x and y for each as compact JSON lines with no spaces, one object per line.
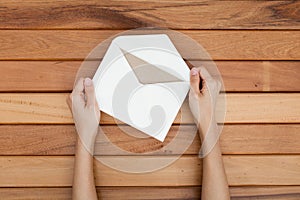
{"x":150,"y":193}
{"x":221,"y":45}
{"x":45,"y":76}
{"x":51,"y":108}
{"x":235,"y":139}
{"x":265,"y":192}
{"x":256,"y":46}
{"x":50,"y":171}
{"x":38,"y":76}
{"x":94,"y":14}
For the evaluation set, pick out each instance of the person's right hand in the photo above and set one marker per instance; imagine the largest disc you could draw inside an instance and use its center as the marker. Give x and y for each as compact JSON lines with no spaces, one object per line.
{"x":202,"y":101}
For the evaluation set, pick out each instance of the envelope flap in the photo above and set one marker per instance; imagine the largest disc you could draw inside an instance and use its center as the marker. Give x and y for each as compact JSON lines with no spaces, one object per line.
{"x":157,"y":50}
{"x":147,"y":73}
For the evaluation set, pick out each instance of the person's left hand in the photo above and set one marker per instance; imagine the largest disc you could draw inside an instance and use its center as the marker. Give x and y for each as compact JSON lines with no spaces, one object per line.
{"x":86,"y":113}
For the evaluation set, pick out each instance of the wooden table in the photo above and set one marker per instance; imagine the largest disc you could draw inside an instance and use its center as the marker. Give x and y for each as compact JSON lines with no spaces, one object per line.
{"x":256,"y":46}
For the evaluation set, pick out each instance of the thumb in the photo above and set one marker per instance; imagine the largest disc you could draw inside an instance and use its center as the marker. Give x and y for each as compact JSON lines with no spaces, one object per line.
{"x":89,"y":92}
{"x":195,"y":80}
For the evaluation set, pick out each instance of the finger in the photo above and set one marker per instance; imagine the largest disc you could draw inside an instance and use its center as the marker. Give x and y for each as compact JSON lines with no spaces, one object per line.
{"x":79,"y":87}
{"x":195,"y":80}
{"x":89,"y":92}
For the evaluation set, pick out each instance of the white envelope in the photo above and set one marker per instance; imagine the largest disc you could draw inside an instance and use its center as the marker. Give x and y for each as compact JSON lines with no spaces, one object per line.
{"x":142,"y":81}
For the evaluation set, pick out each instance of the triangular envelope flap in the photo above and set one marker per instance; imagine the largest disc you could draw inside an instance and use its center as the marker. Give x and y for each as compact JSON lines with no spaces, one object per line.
{"x":156,"y":49}
{"x":147,"y":73}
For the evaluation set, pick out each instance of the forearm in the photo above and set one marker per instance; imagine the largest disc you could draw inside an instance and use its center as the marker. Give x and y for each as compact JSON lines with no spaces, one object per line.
{"x":214,"y":180}
{"x":83,"y":180}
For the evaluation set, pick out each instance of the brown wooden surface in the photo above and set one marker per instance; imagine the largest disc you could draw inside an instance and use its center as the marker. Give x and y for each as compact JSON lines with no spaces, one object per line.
{"x":254,"y":43}
{"x":48,"y":76}
{"x":241,"y":170}
{"x":149,"y":193}
{"x":221,"y":45}
{"x":40,"y":108}
{"x":235,"y":139}
{"x":177,"y":14}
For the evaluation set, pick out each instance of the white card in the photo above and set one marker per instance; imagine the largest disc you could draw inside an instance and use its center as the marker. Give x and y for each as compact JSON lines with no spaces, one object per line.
{"x":142,"y":81}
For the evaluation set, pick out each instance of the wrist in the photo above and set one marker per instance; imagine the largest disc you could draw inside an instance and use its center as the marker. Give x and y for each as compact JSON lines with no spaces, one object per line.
{"x":207,"y":127}
{"x":85,"y":143}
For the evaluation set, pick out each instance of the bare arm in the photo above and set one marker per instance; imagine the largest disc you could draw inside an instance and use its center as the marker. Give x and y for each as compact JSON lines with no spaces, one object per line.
{"x":202,"y":104}
{"x":214,"y":180}
{"x":86,"y":116}
{"x":83,"y":180}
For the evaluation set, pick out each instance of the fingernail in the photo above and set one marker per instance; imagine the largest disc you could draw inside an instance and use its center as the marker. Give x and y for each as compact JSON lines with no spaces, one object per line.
{"x":194,"y":71}
{"x":87,"y":82}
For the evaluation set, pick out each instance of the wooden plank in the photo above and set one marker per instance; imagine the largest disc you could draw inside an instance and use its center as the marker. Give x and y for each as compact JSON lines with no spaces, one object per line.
{"x":38,"y":75}
{"x":47,"y":171}
{"x":36,"y":193}
{"x":37,"y":139}
{"x":150,"y":193}
{"x":123,"y":14}
{"x":221,"y":45}
{"x":265,"y":192}
{"x":48,"y":76}
{"x":40,"y":108}
{"x":235,"y":139}
{"x":248,"y":192}
{"x":260,"y":76}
